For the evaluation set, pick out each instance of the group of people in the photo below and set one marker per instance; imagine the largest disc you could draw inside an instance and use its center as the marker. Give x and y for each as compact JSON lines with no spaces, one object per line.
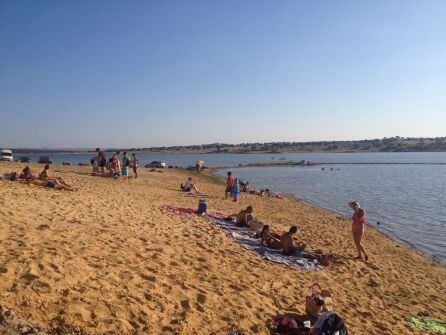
{"x":42,"y":179}
{"x":270,"y":239}
{"x":114,"y":167}
{"x":246,"y":188}
{"x":285,"y":242}
{"x":234,"y":187}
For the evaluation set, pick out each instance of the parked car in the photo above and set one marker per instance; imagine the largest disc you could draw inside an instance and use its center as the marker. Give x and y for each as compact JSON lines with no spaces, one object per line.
{"x":7,"y":155}
{"x":45,"y":160}
{"x":24,"y":159}
{"x":156,"y":164}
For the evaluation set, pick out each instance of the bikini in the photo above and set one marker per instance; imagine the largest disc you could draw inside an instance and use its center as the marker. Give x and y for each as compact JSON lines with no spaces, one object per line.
{"x":358,"y":225}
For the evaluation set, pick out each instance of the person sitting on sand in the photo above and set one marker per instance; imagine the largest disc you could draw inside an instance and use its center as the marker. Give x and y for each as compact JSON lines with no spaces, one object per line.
{"x":288,"y":247}
{"x":56,"y":180}
{"x":27,"y":174}
{"x":244,"y":217}
{"x":189,"y":185}
{"x":287,"y":243}
{"x":269,"y":239}
{"x":358,"y":228}
{"x":246,"y":187}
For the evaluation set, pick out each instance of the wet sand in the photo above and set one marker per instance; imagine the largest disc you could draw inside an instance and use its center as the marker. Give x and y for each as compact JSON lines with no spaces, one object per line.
{"x":108,"y":259}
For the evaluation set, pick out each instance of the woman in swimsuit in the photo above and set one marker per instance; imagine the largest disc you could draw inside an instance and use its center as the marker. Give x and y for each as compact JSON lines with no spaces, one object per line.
{"x":268,"y":239}
{"x":50,"y":184}
{"x":27,"y":174}
{"x":358,"y":228}
{"x":56,"y":180}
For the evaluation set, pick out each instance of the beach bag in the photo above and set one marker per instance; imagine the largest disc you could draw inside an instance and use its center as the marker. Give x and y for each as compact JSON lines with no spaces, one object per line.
{"x":318,"y":301}
{"x":329,"y":323}
{"x":289,"y":326}
{"x":202,"y":206}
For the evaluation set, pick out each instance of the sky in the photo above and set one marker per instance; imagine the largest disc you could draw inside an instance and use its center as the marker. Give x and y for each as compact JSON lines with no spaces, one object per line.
{"x":154,"y":73}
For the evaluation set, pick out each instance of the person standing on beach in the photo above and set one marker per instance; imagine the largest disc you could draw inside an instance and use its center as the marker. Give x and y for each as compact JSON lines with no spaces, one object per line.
{"x":229,"y":184}
{"x":135,"y":162}
{"x":125,"y":165}
{"x":102,"y":161}
{"x":358,"y":228}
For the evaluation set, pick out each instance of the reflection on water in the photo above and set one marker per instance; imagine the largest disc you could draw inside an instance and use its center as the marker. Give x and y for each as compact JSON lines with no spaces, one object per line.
{"x":409,"y":201}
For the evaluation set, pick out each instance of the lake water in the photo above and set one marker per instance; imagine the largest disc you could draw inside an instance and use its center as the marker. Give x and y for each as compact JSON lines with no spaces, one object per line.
{"x":185,"y":160}
{"x":409,"y":201}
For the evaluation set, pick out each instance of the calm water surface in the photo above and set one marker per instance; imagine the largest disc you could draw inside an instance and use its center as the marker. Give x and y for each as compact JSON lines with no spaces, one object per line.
{"x":235,"y":159}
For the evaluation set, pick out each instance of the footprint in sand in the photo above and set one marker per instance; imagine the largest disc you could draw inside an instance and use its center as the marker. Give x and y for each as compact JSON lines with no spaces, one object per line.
{"x":149,"y":278}
{"x":29,"y":277}
{"x":41,"y":287}
{"x":201,"y":298}
{"x":43,"y":226}
{"x":185,"y":304}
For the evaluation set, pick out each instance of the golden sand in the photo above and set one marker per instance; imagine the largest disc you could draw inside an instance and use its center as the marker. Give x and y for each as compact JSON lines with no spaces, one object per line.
{"x":107,"y":259}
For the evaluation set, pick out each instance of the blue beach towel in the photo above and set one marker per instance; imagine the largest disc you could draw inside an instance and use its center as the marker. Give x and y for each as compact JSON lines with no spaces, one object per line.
{"x":235,"y":190}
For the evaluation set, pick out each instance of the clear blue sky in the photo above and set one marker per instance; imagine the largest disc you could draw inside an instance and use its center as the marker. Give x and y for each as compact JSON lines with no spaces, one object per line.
{"x":148,"y":73}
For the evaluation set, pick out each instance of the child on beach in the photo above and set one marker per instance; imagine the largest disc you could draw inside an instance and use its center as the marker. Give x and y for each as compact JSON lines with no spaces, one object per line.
{"x":101,"y":161}
{"x":135,"y":162}
{"x":125,"y":165}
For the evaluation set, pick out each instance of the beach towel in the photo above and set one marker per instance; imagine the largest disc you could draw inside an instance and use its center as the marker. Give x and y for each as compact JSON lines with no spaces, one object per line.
{"x":235,"y":190}
{"x":245,"y":237}
{"x":184,"y":212}
{"x":427,"y":323}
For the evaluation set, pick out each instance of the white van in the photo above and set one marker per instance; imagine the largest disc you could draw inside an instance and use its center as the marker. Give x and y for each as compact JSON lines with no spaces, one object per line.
{"x":7,"y":156}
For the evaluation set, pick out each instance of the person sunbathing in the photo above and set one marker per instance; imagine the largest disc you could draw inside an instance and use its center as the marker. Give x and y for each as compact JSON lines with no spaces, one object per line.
{"x":254,"y":191}
{"x":56,"y":180}
{"x":12,"y":176}
{"x":27,"y":174}
{"x":269,"y":239}
{"x":49,"y":184}
{"x":244,"y":217}
{"x":189,"y":185}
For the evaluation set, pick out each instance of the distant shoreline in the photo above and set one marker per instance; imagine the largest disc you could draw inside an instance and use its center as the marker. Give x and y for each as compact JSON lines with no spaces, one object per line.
{"x":50,"y":152}
{"x":392,"y":144}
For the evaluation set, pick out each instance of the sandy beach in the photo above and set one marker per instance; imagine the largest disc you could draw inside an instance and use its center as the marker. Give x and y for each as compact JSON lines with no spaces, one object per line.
{"x":107,"y":259}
